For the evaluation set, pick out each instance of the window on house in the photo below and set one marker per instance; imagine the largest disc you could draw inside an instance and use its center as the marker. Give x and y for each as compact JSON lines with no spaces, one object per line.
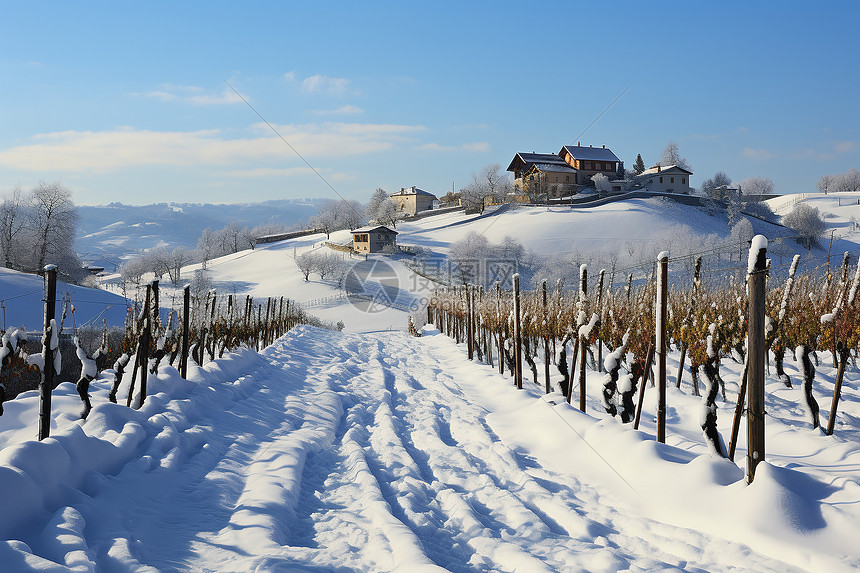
{"x":671,"y":179}
{"x":661,"y":180}
{"x":567,"y":178}
{"x":588,"y":164}
{"x":684,"y":180}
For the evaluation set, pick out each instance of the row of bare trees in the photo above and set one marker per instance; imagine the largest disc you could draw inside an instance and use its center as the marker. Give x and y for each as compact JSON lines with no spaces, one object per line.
{"x":37,"y":226}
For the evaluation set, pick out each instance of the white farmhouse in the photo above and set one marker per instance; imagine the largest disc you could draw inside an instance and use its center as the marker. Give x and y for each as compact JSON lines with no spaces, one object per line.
{"x":669,"y":179}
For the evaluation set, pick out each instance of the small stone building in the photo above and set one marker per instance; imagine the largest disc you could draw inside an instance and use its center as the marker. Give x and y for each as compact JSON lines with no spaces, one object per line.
{"x":411,"y":200}
{"x":373,"y":239}
{"x":669,"y":179}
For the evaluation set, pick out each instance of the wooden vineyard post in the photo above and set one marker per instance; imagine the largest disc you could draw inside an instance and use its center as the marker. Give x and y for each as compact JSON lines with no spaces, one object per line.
{"x":649,"y":357}
{"x":696,"y":272}
{"x":583,"y":342}
{"x":470,"y":336}
{"x":739,"y":410}
{"x":757,"y":268}
{"x":518,"y":336}
{"x":186,"y":312}
{"x":662,"y":300}
{"x":843,"y":353}
{"x":600,"y":314}
{"x":546,"y":358}
{"x":46,"y":384}
{"x":500,"y":321}
{"x":147,"y":336}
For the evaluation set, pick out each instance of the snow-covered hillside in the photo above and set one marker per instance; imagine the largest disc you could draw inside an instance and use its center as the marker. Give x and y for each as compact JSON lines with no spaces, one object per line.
{"x":106,"y":233}
{"x":370,"y":450}
{"x":23,"y":295}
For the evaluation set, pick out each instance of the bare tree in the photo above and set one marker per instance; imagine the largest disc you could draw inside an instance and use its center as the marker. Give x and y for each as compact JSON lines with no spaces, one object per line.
{"x":806,"y":221}
{"x":307,"y":263}
{"x":710,"y":186}
{"x":826,"y":183}
{"x":53,"y":218}
{"x":387,"y":213}
{"x":848,"y":182}
{"x":328,"y":220}
{"x":179,"y":257}
{"x":12,"y":221}
{"x":490,"y":181}
{"x":206,"y":246}
{"x":376,"y":200}
{"x":132,"y":270}
{"x":756,"y":186}
{"x":672,"y":156}
{"x":350,"y":213}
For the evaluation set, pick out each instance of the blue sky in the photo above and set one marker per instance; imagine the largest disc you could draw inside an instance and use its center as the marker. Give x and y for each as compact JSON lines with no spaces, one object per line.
{"x":129,"y":101}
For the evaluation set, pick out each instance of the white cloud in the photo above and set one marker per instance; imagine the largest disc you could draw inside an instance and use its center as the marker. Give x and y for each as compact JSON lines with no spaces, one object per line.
{"x":290,"y":76}
{"x":478,"y":147}
{"x":193,"y":94}
{"x":110,"y":151}
{"x":757,"y":154}
{"x":343,"y":110}
{"x":262,"y":172}
{"x":325,"y":84}
{"x":845,"y":146}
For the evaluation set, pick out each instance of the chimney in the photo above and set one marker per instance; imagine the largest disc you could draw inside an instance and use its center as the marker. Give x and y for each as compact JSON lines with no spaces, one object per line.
{"x":589,"y":145}
{"x":578,"y":144}
{"x":658,"y":168}
{"x":604,"y":147}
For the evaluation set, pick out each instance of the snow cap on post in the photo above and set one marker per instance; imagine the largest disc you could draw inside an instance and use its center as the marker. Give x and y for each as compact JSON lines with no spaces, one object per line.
{"x":757,"y":254}
{"x":663,"y":255}
{"x":47,"y":268}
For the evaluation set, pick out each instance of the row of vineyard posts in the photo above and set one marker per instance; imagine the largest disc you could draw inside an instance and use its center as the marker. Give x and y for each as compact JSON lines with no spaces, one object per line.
{"x":747,"y":319}
{"x":221,"y":324}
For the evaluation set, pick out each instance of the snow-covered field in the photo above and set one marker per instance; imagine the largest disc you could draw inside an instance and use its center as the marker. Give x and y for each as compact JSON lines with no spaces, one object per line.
{"x":370,"y":450}
{"x":357,"y":452}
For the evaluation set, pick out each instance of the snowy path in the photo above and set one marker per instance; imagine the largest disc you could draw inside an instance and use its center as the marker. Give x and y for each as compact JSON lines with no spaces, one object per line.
{"x":336,"y":452}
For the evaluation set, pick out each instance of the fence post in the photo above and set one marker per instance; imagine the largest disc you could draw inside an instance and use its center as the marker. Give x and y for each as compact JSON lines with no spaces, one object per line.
{"x":144,"y":341}
{"x":757,"y":267}
{"x":46,"y":384}
{"x":186,"y":311}
{"x":470,"y":351}
{"x":662,"y":300}
{"x":518,"y":335}
{"x":546,"y":358}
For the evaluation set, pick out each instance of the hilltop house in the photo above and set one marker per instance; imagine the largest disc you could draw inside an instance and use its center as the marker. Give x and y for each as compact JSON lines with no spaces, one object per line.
{"x":564,"y":172}
{"x":373,"y":239}
{"x":669,"y":179}
{"x":411,"y":200}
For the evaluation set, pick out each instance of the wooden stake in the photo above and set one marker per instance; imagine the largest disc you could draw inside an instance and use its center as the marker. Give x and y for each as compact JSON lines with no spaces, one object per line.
{"x":518,"y":335}
{"x":186,"y":312}
{"x":661,"y":314}
{"x":756,"y":358}
{"x":46,"y":384}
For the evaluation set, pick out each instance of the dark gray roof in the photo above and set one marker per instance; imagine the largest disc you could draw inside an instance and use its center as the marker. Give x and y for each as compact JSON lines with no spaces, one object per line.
{"x":555,"y":167}
{"x":413,"y":191}
{"x":544,"y":158}
{"x":373,"y":228}
{"x":590,"y":153}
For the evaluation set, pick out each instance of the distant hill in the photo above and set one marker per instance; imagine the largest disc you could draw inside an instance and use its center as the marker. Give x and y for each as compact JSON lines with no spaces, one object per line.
{"x":108,"y":232}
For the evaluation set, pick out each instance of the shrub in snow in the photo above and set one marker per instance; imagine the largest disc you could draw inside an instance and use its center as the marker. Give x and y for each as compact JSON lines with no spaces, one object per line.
{"x":119,"y":369}
{"x":612,"y":364}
